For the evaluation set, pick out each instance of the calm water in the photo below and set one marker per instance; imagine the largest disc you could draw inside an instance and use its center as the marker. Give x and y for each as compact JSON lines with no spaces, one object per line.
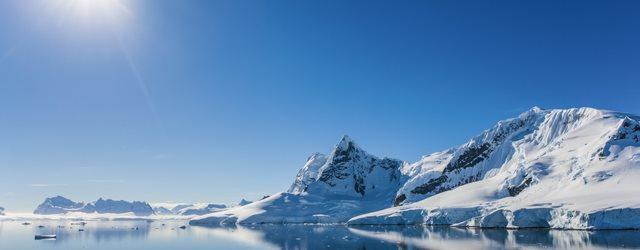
{"x":155,"y":235}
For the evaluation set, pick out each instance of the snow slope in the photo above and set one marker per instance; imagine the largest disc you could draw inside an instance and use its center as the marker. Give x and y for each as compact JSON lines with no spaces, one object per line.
{"x":187,"y":209}
{"x":327,"y":189}
{"x":200,"y":209}
{"x":61,"y":205}
{"x":563,"y":168}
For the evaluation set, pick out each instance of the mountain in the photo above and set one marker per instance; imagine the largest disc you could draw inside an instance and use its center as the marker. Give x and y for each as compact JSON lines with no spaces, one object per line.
{"x":562,"y":168}
{"x":244,"y":202}
{"x":186,"y":208}
{"x":62,"y":205}
{"x":167,"y":208}
{"x":1,"y":210}
{"x":200,"y":209}
{"x":102,"y":206}
{"x":348,"y":172}
{"x":159,"y":210}
{"x":58,"y":205}
{"x":330,"y":188}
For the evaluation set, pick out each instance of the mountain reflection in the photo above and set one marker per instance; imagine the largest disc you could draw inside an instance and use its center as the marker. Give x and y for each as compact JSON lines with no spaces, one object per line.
{"x":294,"y":236}
{"x":97,"y":231}
{"x":169,"y":235}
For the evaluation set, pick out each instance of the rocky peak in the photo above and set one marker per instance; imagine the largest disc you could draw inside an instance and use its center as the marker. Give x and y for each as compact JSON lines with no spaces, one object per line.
{"x":244,"y":202}
{"x":349,"y":171}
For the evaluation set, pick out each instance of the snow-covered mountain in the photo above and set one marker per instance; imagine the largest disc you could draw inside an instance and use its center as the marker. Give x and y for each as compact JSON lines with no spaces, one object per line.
{"x":62,"y":205}
{"x":160,"y":210}
{"x":200,"y":209}
{"x":1,"y":210}
{"x":58,"y":205}
{"x":348,"y":171}
{"x":329,"y":188}
{"x":186,"y":209}
{"x":168,"y":208}
{"x":244,"y":202}
{"x":563,"y":168}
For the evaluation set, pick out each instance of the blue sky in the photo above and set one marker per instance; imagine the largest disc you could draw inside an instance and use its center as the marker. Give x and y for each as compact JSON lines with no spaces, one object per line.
{"x":190,"y":101}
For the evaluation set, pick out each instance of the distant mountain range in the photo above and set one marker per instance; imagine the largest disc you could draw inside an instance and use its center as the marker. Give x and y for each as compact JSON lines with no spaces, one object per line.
{"x":62,"y":205}
{"x":561,"y":168}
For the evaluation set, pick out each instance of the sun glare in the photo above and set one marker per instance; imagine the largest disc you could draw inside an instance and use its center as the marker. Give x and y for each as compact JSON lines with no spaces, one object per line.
{"x":90,"y":13}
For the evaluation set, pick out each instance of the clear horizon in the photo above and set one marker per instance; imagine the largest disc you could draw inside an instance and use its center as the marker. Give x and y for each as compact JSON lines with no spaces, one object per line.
{"x":214,"y":101}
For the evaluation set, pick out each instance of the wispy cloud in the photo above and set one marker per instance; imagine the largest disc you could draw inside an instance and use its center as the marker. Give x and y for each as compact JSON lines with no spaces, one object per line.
{"x":39,"y":185}
{"x":106,"y":181}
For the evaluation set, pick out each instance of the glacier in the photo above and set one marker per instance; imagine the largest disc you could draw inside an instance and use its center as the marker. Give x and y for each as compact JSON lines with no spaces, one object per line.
{"x":562,"y":168}
{"x":559,"y":168}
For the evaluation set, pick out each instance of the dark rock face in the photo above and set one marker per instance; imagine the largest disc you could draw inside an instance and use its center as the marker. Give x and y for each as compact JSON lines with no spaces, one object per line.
{"x":399,"y":199}
{"x":515,"y":190}
{"x":430,"y":186}
{"x":349,"y":171}
{"x":470,"y":157}
{"x":359,"y":185}
{"x":339,"y":164}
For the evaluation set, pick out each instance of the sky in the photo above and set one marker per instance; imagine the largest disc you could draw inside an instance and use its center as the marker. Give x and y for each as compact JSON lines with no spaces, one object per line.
{"x":214,"y":101}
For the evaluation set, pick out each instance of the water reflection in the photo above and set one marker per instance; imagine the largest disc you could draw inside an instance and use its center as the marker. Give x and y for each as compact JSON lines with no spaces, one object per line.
{"x":458,"y":238}
{"x":168,"y":235}
{"x":296,"y":236}
{"x":95,"y":231}
{"x":423,"y":237}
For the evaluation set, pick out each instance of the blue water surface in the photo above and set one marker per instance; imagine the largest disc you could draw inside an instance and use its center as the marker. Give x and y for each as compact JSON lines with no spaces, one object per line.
{"x":169,"y":235}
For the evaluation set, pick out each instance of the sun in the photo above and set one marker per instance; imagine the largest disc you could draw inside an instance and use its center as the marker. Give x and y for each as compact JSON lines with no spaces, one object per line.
{"x":89,"y":6}
{"x":90,"y":13}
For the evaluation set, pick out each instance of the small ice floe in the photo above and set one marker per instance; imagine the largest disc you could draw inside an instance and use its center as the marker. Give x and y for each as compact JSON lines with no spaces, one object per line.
{"x":45,"y":237}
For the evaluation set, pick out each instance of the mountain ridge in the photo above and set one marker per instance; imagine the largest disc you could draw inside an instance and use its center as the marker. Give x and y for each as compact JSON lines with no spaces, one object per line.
{"x":509,"y":161}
